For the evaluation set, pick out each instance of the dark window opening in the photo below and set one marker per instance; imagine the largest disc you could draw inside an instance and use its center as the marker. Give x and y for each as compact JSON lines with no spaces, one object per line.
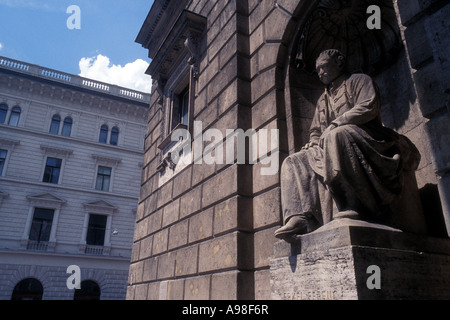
{"x":41,"y":225}
{"x":52,"y":170}
{"x":96,"y":230}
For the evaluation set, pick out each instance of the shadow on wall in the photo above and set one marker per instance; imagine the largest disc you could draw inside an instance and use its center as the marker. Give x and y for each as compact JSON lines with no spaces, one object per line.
{"x":431,"y":202}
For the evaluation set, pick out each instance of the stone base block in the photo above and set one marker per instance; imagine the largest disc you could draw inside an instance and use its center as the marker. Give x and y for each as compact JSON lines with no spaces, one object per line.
{"x":350,"y":259}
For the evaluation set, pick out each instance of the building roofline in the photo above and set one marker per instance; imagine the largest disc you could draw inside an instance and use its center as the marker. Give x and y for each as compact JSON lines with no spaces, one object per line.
{"x":51,"y":75}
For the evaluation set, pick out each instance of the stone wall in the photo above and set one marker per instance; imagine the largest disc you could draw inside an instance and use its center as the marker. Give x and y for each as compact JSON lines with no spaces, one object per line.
{"x":207,"y":232}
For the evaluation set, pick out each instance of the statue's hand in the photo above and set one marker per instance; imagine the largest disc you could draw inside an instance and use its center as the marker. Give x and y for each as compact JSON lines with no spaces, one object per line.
{"x":309,"y":145}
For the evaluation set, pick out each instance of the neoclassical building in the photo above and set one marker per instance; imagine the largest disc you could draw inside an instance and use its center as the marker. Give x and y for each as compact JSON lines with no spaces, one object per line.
{"x":206,"y":231}
{"x":71,"y":152}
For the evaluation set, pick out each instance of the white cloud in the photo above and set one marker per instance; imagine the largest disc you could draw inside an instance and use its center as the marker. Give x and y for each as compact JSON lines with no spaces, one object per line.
{"x":131,"y":76}
{"x":1,"y":46}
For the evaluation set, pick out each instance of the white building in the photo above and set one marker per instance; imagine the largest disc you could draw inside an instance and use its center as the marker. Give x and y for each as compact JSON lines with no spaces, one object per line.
{"x":71,"y":153}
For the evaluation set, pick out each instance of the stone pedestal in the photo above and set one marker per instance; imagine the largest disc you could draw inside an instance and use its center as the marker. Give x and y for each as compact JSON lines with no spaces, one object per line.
{"x":334,"y":263}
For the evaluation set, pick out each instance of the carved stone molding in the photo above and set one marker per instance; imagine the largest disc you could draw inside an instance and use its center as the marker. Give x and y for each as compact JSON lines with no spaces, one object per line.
{"x":182,"y":38}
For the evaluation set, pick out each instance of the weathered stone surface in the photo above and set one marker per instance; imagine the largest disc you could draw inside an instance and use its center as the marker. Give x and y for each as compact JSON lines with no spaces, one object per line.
{"x":266,"y":208}
{"x":220,"y":186}
{"x":197,"y":288}
{"x":186,"y":261}
{"x":224,"y":286}
{"x":247,"y":79}
{"x":332,"y":264}
{"x":190,"y":202}
{"x":219,"y":253}
{"x":178,"y":235}
{"x":201,"y":226}
{"x":171,"y":213}
{"x":150,"y":269}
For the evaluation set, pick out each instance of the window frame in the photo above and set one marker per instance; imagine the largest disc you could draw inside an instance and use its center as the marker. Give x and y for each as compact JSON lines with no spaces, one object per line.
{"x":39,"y":221}
{"x":108,"y":162}
{"x":8,"y":145}
{"x":57,"y":153}
{"x":67,"y":124}
{"x":3,"y":113}
{"x":17,"y":112}
{"x":55,"y":124}
{"x":98,"y":207}
{"x":98,"y":174}
{"x":43,"y":201}
{"x":104,"y":129}
{"x":4,"y":161}
{"x":60,"y":168}
{"x":115,"y":132}
{"x":93,"y":228}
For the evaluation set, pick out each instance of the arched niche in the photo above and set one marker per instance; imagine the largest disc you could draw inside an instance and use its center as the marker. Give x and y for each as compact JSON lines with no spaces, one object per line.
{"x":338,"y":24}
{"x":317,"y":25}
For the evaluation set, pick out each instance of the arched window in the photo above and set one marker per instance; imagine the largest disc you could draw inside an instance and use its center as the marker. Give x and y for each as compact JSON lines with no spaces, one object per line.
{"x":14,"y":117}
{"x":89,"y":291}
{"x":114,"y":136}
{"x":67,"y":127}
{"x":54,"y":126}
{"x":3,"y":112}
{"x":103,"y":134}
{"x":28,"y":289}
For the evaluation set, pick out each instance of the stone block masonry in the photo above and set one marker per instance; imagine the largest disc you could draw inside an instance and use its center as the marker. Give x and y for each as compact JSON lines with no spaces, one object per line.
{"x":206,"y":231}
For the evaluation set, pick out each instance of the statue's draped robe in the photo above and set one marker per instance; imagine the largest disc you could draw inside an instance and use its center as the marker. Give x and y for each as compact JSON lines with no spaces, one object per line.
{"x":360,"y":163}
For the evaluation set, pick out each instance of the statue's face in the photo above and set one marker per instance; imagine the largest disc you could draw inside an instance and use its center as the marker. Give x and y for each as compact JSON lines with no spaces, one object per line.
{"x":328,"y":70}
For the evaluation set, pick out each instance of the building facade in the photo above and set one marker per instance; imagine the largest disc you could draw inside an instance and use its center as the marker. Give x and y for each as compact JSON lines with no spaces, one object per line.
{"x":205,"y":229}
{"x":71,"y":152}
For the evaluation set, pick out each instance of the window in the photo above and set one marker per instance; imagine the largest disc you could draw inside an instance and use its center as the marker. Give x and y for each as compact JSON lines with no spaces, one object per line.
{"x":54,"y":126}
{"x":89,"y":291}
{"x":96,"y":230}
{"x":41,"y":225}
{"x":67,"y":127}
{"x":114,"y":136}
{"x":3,"y":154}
{"x":181,"y":108}
{"x":52,"y":170}
{"x":14,"y":117}
{"x":28,"y":289}
{"x":103,"y":134}
{"x":103,"y":178}
{"x":3,"y":112}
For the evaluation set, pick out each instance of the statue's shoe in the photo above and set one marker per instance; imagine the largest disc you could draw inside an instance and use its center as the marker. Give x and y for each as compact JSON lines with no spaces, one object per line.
{"x":295,"y":226}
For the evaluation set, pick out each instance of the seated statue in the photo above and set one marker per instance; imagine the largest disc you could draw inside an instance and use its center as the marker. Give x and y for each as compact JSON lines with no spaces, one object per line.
{"x":352,"y":163}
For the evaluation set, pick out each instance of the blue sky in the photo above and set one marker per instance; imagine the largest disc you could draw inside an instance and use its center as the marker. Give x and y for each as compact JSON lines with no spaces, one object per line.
{"x":36,"y":31}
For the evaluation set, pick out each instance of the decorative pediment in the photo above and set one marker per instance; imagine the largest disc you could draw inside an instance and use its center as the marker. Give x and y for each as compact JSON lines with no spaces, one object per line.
{"x":46,"y":200}
{"x":100,"y":206}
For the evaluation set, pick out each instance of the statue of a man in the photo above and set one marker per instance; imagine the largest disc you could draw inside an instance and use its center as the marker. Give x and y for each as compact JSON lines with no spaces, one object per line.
{"x":352,"y":160}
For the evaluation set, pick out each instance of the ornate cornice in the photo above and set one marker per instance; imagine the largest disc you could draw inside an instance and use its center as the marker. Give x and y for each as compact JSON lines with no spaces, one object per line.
{"x":182,"y":38}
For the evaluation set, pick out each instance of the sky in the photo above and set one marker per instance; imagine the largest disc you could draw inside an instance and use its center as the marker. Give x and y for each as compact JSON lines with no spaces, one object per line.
{"x":44,"y":32}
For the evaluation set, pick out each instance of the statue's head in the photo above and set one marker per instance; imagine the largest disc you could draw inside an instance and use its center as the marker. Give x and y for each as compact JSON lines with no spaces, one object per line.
{"x":330,"y":65}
